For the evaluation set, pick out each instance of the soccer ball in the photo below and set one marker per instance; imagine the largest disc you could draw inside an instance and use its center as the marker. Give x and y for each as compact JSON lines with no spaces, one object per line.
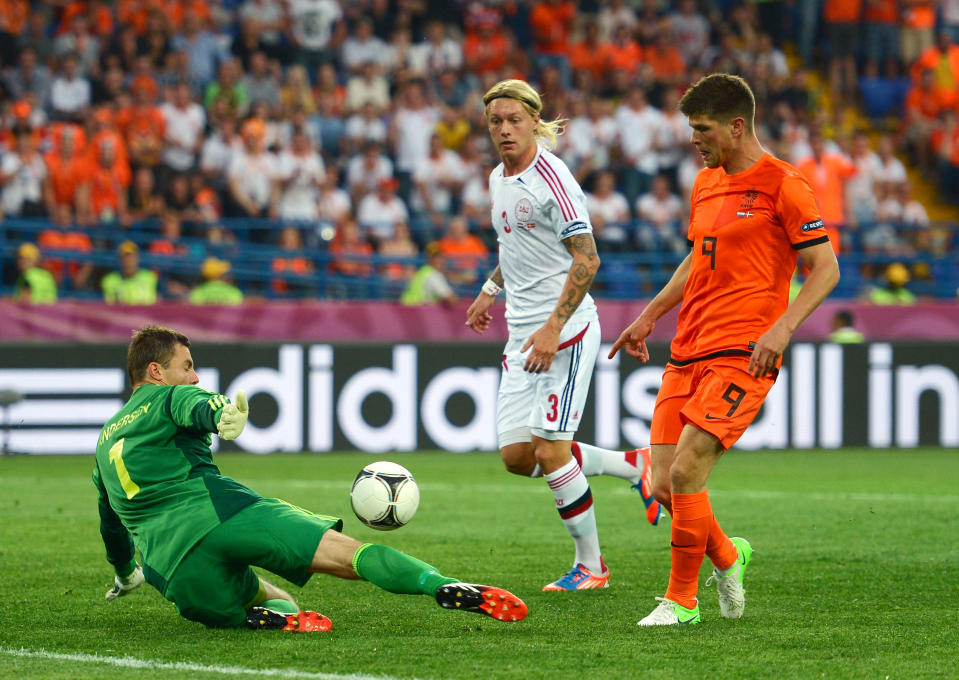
{"x":385,"y":496}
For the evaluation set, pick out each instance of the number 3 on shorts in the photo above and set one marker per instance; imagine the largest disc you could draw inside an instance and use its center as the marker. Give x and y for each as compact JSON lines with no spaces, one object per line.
{"x":553,"y":413}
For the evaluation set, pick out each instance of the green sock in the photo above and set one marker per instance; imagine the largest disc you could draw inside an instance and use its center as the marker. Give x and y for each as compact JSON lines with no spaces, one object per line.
{"x":278,"y":605}
{"x":397,"y":572}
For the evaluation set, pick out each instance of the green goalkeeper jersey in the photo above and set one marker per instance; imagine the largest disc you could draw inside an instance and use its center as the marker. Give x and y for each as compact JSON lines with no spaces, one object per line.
{"x":157,"y":480}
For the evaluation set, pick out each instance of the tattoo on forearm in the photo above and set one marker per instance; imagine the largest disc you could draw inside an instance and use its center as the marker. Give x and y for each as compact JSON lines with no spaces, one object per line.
{"x":581,"y":274}
{"x":496,"y":276}
{"x":583,"y":244}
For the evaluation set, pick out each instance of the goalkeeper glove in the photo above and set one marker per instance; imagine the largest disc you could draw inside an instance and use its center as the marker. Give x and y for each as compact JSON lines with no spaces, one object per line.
{"x":233,"y":417}
{"x":124,"y":584}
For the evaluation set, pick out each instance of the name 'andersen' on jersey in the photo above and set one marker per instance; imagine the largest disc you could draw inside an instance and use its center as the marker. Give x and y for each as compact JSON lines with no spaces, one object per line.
{"x":533,"y":212}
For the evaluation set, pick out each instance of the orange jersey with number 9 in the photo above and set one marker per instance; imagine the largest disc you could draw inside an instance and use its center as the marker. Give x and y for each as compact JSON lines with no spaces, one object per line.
{"x":745,"y":231}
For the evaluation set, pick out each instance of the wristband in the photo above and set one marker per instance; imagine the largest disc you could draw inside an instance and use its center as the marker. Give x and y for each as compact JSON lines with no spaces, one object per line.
{"x":490,"y":288}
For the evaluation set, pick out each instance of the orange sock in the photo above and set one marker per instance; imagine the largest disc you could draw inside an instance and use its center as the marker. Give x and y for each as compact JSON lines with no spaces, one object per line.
{"x":719,"y":549}
{"x":692,"y":518}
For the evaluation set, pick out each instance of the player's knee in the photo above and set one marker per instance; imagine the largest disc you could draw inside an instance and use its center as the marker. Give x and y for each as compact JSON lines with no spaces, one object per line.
{"x":518,"y":459}
{"x":334,"y":555}
{"x":522,"y":469}
{"x":680,"y":476}
{"x":661,"y":492}
{"x":551,"y":455}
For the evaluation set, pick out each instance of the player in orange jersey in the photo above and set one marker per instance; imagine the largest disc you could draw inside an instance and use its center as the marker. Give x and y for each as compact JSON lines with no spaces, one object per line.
{"x":751,"y":216}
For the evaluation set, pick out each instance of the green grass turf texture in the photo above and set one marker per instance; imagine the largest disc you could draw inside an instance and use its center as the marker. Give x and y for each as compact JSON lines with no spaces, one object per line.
{"x":855,"y":575}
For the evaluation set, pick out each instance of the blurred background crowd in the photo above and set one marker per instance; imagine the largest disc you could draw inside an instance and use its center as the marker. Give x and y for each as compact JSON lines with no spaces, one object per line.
{"x":211,"y":150}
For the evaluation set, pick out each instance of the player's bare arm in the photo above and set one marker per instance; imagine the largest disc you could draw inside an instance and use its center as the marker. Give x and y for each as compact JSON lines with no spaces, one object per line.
{"x":478,"y":316}
{"x":496,"y":276}
{"x":633,"y":339}
{"x":545,"y":341}
{"x":823,"y":277}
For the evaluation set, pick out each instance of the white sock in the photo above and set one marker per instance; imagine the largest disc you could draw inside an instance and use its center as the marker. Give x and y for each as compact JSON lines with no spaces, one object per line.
{"x":537,"y":471}
{"x":596,"y":461}
{"x":574,"y":501}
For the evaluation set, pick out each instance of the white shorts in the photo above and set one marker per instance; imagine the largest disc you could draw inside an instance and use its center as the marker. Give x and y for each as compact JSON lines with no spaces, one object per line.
{"x":548,"y":405}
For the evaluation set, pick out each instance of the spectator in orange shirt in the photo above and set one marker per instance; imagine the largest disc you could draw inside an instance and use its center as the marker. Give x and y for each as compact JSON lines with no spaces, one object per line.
{"x":945,"y":144}
{"x":13,"y":19}
{"x":841,"y":18}
{"x":465,"y":253}
{"x":590,"y":53}
{"x":881,"y":20}
{"x":109,"y":179}
{"x":827,"y":173}
{"x":351,"y":258}
{"x":21,"y":112}
{"x":291,"y":241}
{"x":943,"y":60}
{"x":143,"y":127}
{"x":918,"y":22}
{"x":924,"y":102}
{"x":98,"y":15}
{"x":67,"y":192}
{"x":133,"y":13}
{"x":487,"y":49}
{"x":104,"y":130}
{"x":66,"y":238}
{"x":177,"y":10}
{"x":622,"y":52}
{"x":665,"y":59}
{"x":551,"y":22}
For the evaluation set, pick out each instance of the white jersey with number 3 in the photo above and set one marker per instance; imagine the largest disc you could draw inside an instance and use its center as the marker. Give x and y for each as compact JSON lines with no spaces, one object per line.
{"x":533,"y":213}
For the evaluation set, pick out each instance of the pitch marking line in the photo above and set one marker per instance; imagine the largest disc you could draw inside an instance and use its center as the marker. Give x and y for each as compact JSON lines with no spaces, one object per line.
{"x":875,"y":497}
{"x":133,"y":662}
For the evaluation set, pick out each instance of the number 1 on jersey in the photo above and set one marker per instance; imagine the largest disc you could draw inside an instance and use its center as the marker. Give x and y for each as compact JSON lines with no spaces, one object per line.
{"x":116,"y":457}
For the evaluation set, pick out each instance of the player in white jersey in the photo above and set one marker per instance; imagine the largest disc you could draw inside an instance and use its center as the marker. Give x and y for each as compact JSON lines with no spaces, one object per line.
{"x":547,"y":262}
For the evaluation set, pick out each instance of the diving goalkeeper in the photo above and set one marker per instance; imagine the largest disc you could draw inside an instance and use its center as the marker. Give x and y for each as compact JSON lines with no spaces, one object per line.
{"x":199,"y":532}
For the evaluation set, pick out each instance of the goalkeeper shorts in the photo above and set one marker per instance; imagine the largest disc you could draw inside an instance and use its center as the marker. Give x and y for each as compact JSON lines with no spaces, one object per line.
{"x":215,"y":582}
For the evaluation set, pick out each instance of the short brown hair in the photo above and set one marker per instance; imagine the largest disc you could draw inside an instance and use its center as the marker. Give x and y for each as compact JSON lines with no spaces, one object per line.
{"x":721,"y":97}
{"x":149,"y":344}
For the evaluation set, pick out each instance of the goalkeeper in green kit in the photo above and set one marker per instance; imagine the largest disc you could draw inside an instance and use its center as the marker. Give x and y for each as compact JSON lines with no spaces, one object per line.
{"x":199,"y":532}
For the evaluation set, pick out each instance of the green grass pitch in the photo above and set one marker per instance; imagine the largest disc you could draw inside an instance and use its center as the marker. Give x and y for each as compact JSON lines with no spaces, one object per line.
{"x":855,"y":575}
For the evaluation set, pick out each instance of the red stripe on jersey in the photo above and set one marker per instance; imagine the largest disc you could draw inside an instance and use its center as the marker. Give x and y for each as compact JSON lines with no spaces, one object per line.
{"x":562,"y":189}
{"x":573,"y":340}
{"x":559,"y":199}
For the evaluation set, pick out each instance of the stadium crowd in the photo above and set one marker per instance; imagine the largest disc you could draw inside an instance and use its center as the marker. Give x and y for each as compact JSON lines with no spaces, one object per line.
{"x":309,"y":145}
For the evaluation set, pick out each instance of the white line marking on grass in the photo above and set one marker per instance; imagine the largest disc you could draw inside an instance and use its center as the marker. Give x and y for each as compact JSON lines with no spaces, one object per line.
{"x":842,"y":496}
{"x":133,"y":662}
{"x":446,"y":487}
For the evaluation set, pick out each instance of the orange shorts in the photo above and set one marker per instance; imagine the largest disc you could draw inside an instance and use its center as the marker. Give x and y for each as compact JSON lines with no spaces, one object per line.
{"x":718,"y":396}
